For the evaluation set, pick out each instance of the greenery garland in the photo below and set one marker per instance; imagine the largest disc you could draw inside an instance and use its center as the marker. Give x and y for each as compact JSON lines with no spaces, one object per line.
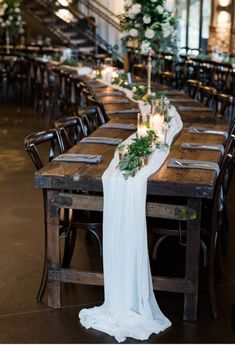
{"x":137,"y":153}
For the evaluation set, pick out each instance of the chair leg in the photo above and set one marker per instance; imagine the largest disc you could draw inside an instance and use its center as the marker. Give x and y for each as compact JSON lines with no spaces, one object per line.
{"x":94,"y":233}
{"x":66,"y":257}
{"x":213,"y":242}
{"x":44,"y":278}
{"x":43,"y":283}
{"x":157,"y":244}
{"x":73,"y":237}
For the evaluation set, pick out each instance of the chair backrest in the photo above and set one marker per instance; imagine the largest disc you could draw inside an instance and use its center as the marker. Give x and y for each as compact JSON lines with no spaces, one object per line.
{"x":43,"y":146}
{"x":224,"y":105}
{"x":91,"y":117}
{"x":139,"y":70}
{"x":221,"y":190}
{"x":206,"y":95}
{"x":92,"y":101}
{"x":70,"y":130}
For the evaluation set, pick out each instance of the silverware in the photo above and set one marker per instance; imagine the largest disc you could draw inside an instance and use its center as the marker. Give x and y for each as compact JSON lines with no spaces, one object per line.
{"x":211,"y":147}
{"x":192,"y":164}
{"x":211,"y":131}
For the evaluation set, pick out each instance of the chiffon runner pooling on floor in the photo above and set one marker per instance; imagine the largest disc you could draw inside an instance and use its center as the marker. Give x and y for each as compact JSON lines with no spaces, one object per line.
{"x":130,"y":308}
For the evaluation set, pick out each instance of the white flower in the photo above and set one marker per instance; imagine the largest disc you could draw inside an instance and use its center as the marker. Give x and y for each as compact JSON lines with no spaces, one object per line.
{"x":168,"y":6}
{"x":7,"y":22}
{"x":134,"y":33}
{"x":131,"y":14}
{"x":146,"y":19}
{"x":128,"y":3}
{"x":145,"y":47}
{"x":17,"y":10}
{"x":124,"y":34}
{"x":137,"y":25}
{"x":166,"y":29}
{"x":10,"y":18}
{"x":153,"y":0}
{"x":149,"y":33}
{"x":160,"y":9}
{"x":136,"y":8}
{"x":4,"y":6}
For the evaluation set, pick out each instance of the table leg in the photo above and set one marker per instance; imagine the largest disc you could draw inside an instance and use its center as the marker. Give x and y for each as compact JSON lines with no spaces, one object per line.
{"x":53,"y":251}
{"x":192,"y":261}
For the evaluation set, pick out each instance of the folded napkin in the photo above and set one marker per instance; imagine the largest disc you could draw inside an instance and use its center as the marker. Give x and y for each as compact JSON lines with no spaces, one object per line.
{"x":102,"y":140}
{"x":201,"y":130}
{"x":79,"y":158}
{"x":123,"y":111}
{"x":97,"y":85}
{"x":172,"y":92}
{"x":130,"y":127}
{"x":193,"y":164}
{"x":117,"y":101}
{"x":182,"y":100}
{"x":84,"y":70}
{"x":111,"y":93}
{"x":195,"y":109}
{"x":201,"y":146}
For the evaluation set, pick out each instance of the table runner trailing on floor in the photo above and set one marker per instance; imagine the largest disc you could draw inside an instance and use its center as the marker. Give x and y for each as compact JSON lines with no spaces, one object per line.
{"x":130,"y":308}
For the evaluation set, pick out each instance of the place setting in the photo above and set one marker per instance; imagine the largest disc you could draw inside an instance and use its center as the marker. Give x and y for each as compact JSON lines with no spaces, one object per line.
{"x":79,"y":158}
{"x":209,"y":131}
{"x":193,"y":164}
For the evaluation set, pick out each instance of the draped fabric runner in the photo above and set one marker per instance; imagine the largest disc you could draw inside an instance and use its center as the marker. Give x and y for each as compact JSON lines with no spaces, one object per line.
{"x":130,"y":308}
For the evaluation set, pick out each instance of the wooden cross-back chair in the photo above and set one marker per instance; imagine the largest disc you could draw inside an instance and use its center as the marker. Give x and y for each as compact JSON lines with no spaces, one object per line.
{"x":42,"y":147}
{"x":71,"y":130}
{"x":206,"y":95}
{"x":91,"y":118}
{"x":224,"y":105}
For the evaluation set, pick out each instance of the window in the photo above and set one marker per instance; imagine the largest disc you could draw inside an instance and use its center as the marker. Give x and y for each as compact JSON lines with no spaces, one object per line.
{"x":194,"y":23}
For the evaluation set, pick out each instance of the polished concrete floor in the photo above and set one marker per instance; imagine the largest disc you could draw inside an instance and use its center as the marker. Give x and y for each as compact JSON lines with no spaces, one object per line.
{"x":22,"y":320}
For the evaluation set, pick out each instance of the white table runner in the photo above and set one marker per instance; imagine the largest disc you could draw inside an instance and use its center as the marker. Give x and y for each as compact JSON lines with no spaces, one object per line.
{"x":130,"y":308}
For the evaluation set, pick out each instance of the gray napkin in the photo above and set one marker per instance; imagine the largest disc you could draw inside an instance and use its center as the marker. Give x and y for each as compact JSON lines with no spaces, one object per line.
{"x":201,"y":146}
{"x":117,"y":101}
{"x":101,"y":140}
{"x":123,"y":111}
{"x":201,"y":130}
{"x":111,"y":93}
{"x":193,"y":164}
{"x":97,"y":85}
{"x":172,"y":92}
{"x":195,"y":109}
{"x":130,"y":127}
{"x":182,"y":100}
{"x":79,"y":158}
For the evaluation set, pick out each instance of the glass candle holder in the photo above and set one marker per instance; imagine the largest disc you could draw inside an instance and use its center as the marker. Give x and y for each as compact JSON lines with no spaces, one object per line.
{"x":143,"y":124}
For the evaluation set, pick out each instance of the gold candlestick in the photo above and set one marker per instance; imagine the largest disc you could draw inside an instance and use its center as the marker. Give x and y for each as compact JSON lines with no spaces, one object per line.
{"x":149,"y":73}
{"x":7,"y":41}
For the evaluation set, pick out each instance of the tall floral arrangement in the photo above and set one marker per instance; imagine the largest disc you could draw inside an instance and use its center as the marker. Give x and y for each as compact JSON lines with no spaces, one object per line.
{"x":151,"y":23}
{"x":10,"y":17}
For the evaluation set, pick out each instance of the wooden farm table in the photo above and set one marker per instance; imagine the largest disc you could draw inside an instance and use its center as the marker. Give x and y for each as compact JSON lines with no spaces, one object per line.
{"x":193,"y":185}
{"x":63,"y":183}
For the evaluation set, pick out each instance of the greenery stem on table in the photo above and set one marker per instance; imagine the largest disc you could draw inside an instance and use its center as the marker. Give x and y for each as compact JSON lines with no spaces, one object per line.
{"x":137,"y":153}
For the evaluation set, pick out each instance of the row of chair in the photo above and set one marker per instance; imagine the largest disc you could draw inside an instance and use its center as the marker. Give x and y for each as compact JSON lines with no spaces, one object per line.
{"x":42,"y":147}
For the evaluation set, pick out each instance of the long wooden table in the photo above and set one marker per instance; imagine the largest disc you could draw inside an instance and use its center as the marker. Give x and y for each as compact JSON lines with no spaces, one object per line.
{"x":63,"y":183}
